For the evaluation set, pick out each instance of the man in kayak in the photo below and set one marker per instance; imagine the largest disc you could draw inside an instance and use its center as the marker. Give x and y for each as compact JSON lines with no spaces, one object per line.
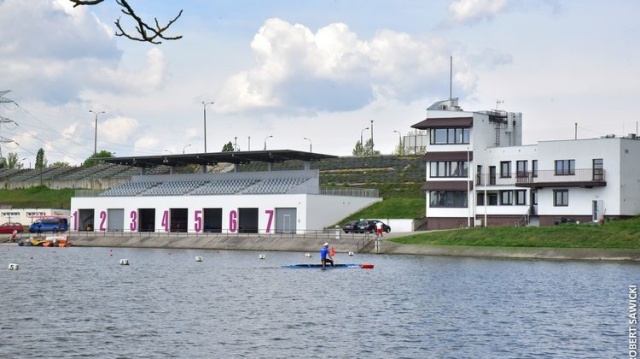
{"x":325,"y":256}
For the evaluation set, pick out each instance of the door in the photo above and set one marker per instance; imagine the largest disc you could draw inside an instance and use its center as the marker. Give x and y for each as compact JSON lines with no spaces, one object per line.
{"x":286,"y":220}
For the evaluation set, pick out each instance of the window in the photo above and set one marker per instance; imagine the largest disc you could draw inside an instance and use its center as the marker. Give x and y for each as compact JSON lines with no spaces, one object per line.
{"x":534,"y":168}
{"x":448,"y":169}
{"x":598,"y":169}
{"x":565,"y":167}
{"x":521,"y":169}
{"x":493,"y":199}
{"x":506,"y":197}
{"x":453,"y":199}
{"x":521,"y":197}
{"x":480,"y":199}
{"x":505,"y":169}
{"x":447,"y":136}
{"x":561,"y":197}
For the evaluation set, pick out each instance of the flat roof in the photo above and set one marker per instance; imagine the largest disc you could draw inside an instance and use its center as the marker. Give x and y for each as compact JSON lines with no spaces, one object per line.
{"x":212,"y":158}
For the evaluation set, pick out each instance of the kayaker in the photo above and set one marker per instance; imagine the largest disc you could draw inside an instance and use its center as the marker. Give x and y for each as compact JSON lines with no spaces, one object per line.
{"x":325,"y":256}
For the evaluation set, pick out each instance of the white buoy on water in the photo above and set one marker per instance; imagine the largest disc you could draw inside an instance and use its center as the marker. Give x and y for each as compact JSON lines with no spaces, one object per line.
{"x":261,"y":256}
{"x":13,"y":266}
{"x":350,"y":254}
{"x":124,"y":262}
{"x":308,"y":255}
{"x":198,"y":259}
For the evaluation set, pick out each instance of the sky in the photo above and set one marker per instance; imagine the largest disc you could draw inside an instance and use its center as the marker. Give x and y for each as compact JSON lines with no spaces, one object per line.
{"x":313,"y":74}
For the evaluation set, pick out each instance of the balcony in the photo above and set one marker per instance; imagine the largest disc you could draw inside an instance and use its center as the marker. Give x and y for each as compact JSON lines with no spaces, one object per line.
{"x":583,"y":178}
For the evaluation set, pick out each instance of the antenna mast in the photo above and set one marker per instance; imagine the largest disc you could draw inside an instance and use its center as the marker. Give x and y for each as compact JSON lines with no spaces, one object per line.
{"x":450,"y":79}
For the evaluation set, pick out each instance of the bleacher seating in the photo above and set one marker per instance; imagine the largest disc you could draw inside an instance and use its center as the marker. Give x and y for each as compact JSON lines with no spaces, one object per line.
{"x":275,"y":185}
{"x":173,"y":188}
{"x":230,"y":186}
{"x":129,"y":189}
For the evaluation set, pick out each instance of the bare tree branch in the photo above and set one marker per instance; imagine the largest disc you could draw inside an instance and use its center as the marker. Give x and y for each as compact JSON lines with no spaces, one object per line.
{"x":146,"y":33}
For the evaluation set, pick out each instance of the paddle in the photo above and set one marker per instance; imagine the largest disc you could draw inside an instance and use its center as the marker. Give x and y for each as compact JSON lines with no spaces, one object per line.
{"x":332,"y":252}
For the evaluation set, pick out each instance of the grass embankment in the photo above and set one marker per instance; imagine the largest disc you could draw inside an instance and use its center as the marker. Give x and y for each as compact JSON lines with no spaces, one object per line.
{"x":614,"y":234}
{"x":37,"y":197}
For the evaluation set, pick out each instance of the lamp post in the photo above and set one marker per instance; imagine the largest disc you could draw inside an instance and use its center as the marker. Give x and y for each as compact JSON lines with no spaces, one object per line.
{"x":184,"y":148}
{"x":265,"y":142}
{"x":95,"y":138}
{"x":400,"y":142}
{"x":309,"y":144}
{"x":204,"y":108}
{"x":371,"y":136}
{"x":361,"y":143}
{"x":248,"y":143}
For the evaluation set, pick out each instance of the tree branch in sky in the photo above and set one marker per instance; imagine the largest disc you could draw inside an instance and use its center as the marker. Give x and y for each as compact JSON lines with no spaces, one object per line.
{"x":145,"y":32}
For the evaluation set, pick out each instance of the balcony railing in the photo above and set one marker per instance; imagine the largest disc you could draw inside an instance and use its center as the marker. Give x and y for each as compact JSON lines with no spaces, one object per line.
{"x":587,"y":177}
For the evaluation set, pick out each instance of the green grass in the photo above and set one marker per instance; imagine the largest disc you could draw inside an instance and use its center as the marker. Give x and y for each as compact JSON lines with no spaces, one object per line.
{"x":37,"y":197}
{"x":613,"y":234}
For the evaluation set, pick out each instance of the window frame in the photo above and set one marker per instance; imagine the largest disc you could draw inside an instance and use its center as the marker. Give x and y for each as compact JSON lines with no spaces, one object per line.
{"x":560,"y":197}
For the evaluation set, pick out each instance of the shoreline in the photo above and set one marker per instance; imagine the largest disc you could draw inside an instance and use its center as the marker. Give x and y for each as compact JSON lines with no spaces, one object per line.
{"x":344,"y":244}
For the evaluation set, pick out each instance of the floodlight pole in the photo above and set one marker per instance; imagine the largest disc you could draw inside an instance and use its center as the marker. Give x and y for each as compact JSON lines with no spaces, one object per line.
{"x":95,"y":137}
{"x":204,"y":107}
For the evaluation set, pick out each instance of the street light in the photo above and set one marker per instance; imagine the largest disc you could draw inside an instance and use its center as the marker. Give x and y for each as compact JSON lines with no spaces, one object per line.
{"x":362,"y":144}
{"x":309,"y":144}
{"x":248,"y":143}
{"x":265,"y":142}
{"x":184,"y":148}
{"x":400,"y":142}
{"x":95,"y":138}
{"x":204,"y":106}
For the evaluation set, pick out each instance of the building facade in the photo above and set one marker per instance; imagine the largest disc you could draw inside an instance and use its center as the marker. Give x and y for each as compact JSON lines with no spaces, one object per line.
{"x":479,"y":173}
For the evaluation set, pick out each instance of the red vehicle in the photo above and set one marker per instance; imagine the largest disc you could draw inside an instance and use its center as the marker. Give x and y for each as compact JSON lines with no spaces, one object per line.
{"x":9,"y":227}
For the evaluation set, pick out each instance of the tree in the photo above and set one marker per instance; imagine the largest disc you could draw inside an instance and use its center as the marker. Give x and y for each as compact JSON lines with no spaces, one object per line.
{"x":228,"y":147}
{"x":12,"y":161}
{"x":41,"y":161}
{"x":145,"y":32}
{"x":91,"y":161}
{"x":366,"y":150}
{"x":60,"y":164}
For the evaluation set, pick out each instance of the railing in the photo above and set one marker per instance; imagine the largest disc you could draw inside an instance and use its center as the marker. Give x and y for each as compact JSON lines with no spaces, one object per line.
{"x":546,"y":176}
{"x":351,"y":192}
{"x":551,"y":176}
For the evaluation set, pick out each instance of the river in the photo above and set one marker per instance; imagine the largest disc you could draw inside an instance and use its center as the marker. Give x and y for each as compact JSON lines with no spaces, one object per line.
{"x":81,"y":303}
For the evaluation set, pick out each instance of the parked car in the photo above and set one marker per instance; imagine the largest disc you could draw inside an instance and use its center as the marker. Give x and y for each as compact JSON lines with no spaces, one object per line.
{"x":9,"y":227}
{"x":372,"y":226}
{"x":49,"y":225}
{"x":350,"y":227}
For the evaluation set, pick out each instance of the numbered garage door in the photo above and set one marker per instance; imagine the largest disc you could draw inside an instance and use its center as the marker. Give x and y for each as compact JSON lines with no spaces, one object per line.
{"x":115,"y":219}
{"x":286,"y":220}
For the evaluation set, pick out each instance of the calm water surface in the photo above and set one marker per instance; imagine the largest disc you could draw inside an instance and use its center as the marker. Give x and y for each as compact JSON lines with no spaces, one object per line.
{"x":80,"y":303}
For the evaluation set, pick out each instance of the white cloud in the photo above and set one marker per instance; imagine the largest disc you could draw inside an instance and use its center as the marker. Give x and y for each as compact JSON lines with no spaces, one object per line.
{"x":298,"y":71}
{"x":475,"y":10}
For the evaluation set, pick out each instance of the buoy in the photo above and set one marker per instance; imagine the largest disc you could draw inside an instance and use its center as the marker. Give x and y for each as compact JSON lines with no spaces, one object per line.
{"x":366,"y":266}
{"x":13,"y":266}
{"x":198,"y":259}
{"x":350,"y":254}
{"x":124,"y":262}
{"x":308,"y":255}
{"x":261,"y":256}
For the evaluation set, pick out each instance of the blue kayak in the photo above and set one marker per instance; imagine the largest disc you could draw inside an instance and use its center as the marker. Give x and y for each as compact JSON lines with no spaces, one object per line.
{"x":339,"y":265}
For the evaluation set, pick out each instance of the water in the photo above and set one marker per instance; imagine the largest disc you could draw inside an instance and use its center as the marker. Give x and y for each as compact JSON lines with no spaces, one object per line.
{"x":80,"y":303}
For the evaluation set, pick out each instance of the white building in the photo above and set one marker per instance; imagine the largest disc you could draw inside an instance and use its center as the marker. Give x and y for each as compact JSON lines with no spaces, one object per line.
{"x":478,"y":172}
{"x":237,"y":202}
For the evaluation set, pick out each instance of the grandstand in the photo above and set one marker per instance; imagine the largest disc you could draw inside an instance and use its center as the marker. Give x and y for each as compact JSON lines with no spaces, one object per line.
{"x":263,"y":201}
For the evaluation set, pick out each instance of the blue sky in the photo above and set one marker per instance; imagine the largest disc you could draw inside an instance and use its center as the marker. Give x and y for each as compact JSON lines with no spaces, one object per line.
{"x":309,"y":68}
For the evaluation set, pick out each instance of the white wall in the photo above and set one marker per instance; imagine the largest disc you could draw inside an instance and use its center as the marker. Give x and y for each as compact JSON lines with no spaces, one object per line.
{"x":314,"y":212}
